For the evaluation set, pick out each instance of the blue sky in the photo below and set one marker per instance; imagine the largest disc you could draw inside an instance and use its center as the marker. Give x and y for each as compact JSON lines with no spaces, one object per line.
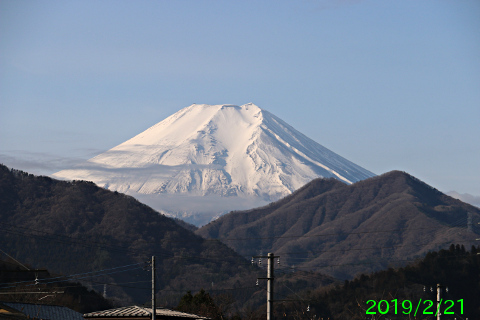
{"x":386,"y":84}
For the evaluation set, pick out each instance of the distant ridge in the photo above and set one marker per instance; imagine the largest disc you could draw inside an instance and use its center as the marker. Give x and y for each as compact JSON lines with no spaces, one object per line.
{"x":343,"y":229}
{"x":242,"y":154}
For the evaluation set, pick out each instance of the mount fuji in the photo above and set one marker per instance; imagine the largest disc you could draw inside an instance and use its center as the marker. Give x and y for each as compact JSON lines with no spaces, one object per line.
{"x":206,"y":160}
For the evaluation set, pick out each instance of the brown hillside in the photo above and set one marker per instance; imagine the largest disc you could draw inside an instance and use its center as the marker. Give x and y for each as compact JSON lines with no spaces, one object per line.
{"x":345,"y":229}
{"x":77,"y":227}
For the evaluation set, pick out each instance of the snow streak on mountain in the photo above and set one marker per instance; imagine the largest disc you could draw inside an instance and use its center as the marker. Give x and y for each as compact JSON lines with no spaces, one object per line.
{"x":222,"y":150}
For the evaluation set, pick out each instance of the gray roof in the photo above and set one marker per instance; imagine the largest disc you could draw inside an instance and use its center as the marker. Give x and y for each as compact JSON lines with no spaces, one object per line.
{"x":7,"y":312}
{"x":136,"y":311}
{"x":41,"y":311}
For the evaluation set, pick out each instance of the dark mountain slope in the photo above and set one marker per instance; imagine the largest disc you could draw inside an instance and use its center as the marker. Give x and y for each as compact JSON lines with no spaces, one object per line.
{"x":76,"y":227}
{"x":241,"y":220}
{"x":345,"y":229}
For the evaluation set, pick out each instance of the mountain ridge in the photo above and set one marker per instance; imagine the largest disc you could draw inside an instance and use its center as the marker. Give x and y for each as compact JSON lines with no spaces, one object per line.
{"x":386,"y":218}
{"x":215,"y":150}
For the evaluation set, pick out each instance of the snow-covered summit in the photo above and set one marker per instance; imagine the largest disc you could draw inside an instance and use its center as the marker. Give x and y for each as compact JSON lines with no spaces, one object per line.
{"x":222,"y":150}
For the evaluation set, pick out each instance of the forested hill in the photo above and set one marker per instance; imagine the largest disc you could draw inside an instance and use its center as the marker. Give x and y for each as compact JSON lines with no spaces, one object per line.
{"x":79,"y":228}
{"x":346,"y":229}
{"x":456,"y":269}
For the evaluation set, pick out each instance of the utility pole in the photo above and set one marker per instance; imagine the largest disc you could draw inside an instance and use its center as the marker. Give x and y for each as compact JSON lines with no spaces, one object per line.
{"x":154,"y":305}
{"x":439,"y":293}
{"x":270,"y":277}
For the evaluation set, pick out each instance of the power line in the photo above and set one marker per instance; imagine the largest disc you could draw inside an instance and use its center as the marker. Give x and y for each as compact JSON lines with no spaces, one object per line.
{"x":14,"y":259}
{"x":73,"y":240}
{"x":122,"y":284}
{"x":322,"y":235}
{"x":307,"y":269}
{"x":211,"y":290}
{"x":347,"y":250}
{"x":74,"y":276}
{"x":452,"y":229}
{"x":116,"y":248}
{"x":89,"y":243}
{"x":224,"y":239}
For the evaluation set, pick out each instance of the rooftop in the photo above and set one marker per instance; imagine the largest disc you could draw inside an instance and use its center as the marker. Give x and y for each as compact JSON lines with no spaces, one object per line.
{"x":141,"y":312}
{"x":40,"y":311}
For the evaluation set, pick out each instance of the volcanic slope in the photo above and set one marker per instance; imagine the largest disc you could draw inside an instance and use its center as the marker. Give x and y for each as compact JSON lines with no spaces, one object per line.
{"x":242,"y":154}
{"x":342,"y":229}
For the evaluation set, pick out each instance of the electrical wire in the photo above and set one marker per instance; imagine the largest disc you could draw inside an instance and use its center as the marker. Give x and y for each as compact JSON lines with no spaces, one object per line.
{"x":120,"y":249}
{"x":314,"y":254}
{"x":210,"y":290}
{"x":349,"y":264}
{"x":89,"y":243}
{"x":73,"y":240}
{"x":104,"y":283}
{"x":75,"y":276}
{"x":328,"y":234}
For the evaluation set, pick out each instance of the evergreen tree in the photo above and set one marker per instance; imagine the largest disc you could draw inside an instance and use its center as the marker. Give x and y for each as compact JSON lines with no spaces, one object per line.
{"x":201,"y":304}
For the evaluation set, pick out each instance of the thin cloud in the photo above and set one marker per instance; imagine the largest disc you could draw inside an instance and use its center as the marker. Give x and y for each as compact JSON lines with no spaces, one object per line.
{"x":197,"y":210}
{"x":38,"y":163}
{"x":466,"y":197}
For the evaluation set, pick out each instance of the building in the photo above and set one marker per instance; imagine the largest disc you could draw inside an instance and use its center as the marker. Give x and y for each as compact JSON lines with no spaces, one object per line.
{"x":136,"y":312}
{"x":10,"y":313}
{"x":39,"y":312}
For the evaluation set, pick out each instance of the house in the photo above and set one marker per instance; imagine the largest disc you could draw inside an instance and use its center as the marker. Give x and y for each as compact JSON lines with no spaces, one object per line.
{"x":42,"y":312}
{"x":136,"y":312}
{"x":7,"y":312}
